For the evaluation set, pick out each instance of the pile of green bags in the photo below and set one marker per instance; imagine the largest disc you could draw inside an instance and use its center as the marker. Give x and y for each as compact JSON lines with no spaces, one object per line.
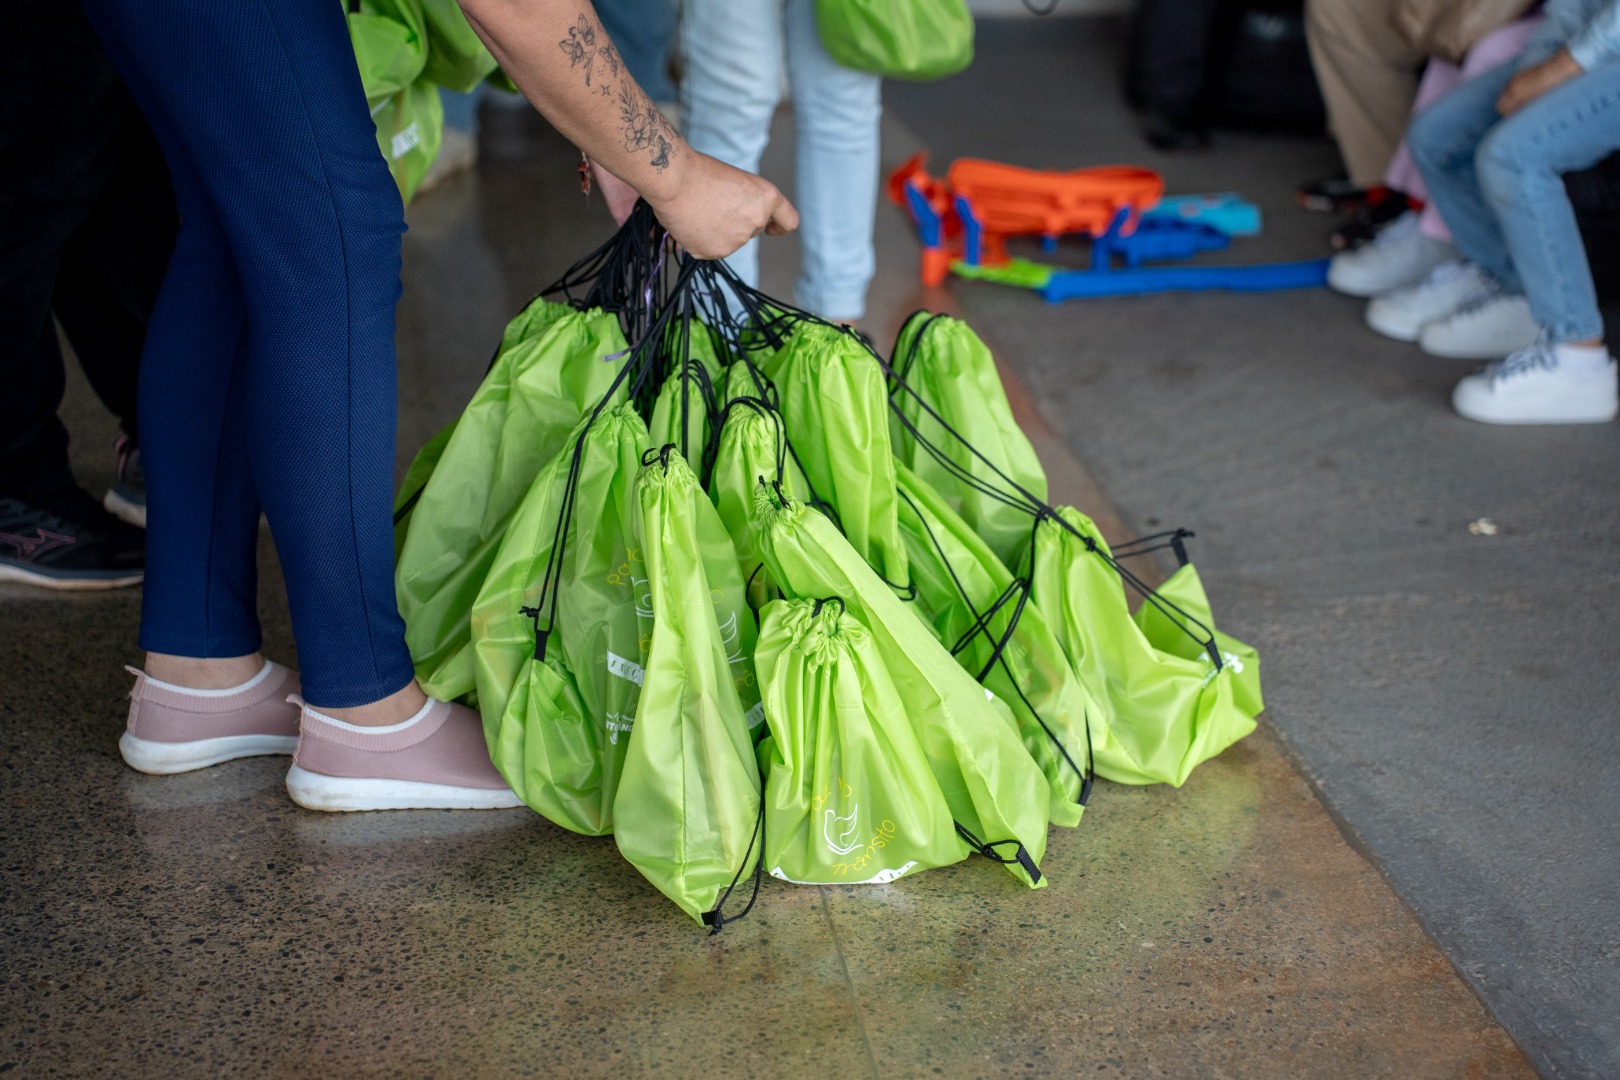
{"x":729,"y":586}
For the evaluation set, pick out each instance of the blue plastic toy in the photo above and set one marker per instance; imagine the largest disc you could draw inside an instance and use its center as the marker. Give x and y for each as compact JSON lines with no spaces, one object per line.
{"x":1069,"y":284}
{"x":1225,"y":211}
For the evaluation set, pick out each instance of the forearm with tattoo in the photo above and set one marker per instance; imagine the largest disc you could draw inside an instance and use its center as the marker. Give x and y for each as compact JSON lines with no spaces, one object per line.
{"x":645,"y":129}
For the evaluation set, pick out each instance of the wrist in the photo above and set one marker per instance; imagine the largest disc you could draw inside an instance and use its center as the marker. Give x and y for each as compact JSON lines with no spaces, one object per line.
{"x":663,"y":186}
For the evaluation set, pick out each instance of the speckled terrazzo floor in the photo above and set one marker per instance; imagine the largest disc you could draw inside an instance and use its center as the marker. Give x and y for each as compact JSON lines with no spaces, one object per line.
{"x":201,"y":926}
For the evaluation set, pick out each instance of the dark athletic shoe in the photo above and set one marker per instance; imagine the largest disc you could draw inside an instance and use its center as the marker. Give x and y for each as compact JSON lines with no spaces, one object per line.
{"x":1384,"y":207}
{"x":69,"y":544}
{"x":1332,"y":195}
{"x":126,"y":499}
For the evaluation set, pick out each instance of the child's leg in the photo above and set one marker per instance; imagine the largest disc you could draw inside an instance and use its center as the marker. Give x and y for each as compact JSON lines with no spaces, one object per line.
{"x":1520,"y":166}
{"x":1443,"y":140}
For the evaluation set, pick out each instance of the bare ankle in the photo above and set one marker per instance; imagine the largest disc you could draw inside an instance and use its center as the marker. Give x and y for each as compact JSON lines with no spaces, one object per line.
{"x":396,"y":707}
{"x":204,"y":672}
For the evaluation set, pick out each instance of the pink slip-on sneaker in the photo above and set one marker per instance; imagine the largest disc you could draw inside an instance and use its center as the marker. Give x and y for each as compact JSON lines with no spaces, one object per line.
{"x":175,"y":729}
{"x":436,"y":760}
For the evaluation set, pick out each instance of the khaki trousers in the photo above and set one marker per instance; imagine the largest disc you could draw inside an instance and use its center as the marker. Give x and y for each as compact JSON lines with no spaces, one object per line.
{"x":1369,"y":75}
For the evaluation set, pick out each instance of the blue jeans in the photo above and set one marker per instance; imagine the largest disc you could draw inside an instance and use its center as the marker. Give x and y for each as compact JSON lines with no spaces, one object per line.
{"x":1498,"y":183}
{"x":268,"y":379}
{"x":734,"y":51}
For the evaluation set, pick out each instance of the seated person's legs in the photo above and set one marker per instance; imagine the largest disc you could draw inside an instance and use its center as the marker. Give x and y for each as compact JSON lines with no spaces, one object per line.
{"x":1476,"y":311}
{"x":1568,"y":376}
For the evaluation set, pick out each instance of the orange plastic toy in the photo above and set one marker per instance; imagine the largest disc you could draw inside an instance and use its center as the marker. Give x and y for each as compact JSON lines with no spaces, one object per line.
{"x":979,"y":204}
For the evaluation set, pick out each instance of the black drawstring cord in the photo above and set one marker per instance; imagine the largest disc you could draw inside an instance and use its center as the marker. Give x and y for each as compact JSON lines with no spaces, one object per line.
{"x":988,"y":849}
{"x":998,"y":653}
{"x":715,"y":920}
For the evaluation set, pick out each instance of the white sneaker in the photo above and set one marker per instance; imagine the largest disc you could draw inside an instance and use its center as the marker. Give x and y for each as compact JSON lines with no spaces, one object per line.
{"x":1404,"y":313}
{"x":1529,"y":387}
{"x":1488,"y":328}
{"x":1398,"y":256}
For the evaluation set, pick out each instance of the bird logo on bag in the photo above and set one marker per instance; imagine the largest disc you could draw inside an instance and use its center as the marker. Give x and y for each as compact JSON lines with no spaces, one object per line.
{"x":841,"y":833}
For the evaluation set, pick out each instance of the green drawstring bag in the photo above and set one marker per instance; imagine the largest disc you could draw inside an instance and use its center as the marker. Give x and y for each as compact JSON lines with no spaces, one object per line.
{"x":995,"y":790}
{"x":682,"y":409}
{"x":1184,"y":591}
{"x":390,"y":47}
{"x":416,"y":478}
{"x":531,"y":322}
{"x":688,"y":812}
{"x":830,"y":392}
{"x":982,"y":615}
{"x":946,"y":376}
{"x":752,"y":446}
{"x":518,"y":419}
{"x":1167,"y":707}
{"x":849,"y":797}
{"x":535,"y":317}
{"x":559,"y":624}
{"x":456,"y":57}
{"x":918,"y":39}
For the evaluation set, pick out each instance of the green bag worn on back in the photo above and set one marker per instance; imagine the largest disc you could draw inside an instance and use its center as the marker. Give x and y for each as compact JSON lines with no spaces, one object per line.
{"x":972,"y":600}
{"x":916,"y":39}
{"x":1166,"y":710}
{"x":830,"y":392}
{"x":519,"y":418}
{"x":390,"y":48}
{"x":456,"y":57}
{"x":945,"y":366}
{"x":558,"y":636}
{"x":849,"y":796}
{"x":688,"y":810}
{"x":995,"y":790}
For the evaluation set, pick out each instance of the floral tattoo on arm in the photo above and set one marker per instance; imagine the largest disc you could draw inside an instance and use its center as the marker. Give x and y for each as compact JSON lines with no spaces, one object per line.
{"x":645,"y":129}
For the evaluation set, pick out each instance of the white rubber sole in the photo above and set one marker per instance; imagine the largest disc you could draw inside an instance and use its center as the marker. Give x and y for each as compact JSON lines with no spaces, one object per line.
{"x":124,"y":510}
{"x":165,"y":759}
{"x":343,"y":794}
{"x":12,"y":572}
{"x":1380,"y":323}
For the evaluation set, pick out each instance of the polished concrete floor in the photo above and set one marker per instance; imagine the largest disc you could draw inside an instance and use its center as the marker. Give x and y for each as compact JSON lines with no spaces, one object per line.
{"x":1238,"y":927}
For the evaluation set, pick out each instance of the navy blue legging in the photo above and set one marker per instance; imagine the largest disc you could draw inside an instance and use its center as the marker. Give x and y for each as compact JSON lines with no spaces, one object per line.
{"x":268,"y":380}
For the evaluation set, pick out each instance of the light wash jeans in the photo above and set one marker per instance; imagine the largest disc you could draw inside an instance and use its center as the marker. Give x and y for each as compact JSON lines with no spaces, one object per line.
{"x":1499,"y":184}
{"x":734,"y":51}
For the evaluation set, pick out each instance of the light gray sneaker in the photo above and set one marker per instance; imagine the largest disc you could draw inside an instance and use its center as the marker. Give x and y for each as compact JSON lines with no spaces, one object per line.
{"x":1530,"y":387}
{"x":1488,"y":328}
{"x":1449,"y":287}
{"x":1398,"y":256}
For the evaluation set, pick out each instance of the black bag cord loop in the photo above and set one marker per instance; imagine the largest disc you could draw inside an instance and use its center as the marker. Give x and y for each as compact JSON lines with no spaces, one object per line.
{"x":1171,"y":539}
{"x":1020,"y":587}
{"x":988,"y":849}
{"x":815,"y":609}
{"x":716,"y":920}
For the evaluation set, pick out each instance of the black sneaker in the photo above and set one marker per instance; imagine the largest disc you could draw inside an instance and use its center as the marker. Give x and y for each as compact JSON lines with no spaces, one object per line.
{"x":126,"y":499}
{"x":70,"y":543}
{"x":1384,"y":206}
{"x":1332,"y":195}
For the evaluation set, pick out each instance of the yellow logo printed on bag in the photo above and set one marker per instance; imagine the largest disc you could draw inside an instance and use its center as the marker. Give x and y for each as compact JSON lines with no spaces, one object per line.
{"x":626,"y":575}
{"x":885,"y":832}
